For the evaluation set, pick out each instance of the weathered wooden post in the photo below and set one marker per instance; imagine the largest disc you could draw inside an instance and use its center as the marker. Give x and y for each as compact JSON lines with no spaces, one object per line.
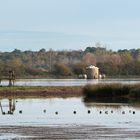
{"x":11,"y":77}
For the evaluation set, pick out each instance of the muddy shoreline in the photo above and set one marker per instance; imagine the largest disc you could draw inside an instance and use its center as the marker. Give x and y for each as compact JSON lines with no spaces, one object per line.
{"x":67,"y":132}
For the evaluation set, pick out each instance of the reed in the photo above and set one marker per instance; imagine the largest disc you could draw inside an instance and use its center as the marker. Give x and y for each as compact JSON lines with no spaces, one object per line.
{"x":112,"y":90}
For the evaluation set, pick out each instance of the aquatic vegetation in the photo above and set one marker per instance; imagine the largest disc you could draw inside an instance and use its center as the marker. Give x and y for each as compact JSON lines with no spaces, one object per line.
{"x":135,"y":92}
{"x":112,"y":90}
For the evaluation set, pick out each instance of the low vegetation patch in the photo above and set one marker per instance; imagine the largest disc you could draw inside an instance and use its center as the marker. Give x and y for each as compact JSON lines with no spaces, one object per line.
{"x":40,"y":91}
{"x":112,"y":90}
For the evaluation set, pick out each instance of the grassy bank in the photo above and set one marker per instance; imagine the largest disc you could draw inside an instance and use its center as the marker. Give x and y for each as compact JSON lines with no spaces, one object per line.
{"x":112,"y":90}
{"x":40,"y":91}
{"x":98,"y":91}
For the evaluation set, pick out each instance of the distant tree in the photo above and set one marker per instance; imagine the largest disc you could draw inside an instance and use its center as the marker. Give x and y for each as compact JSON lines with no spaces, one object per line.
{"x":17,"y":51}
{"x":67,"y":62}
{"x":108,"y":68}
{"x":136,"y":54}
{"x":90,"y":50}
{"x":42,"y":50}
{"x":62,"y":70}
{"x":79,"y":68}
{"x":89,"y":59}
{"x":98,"y":49}
{"x":126,"y":57}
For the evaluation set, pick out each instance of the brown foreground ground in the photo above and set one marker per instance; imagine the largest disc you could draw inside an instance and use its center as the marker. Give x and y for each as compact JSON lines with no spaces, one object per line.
{"x":67,"y":132}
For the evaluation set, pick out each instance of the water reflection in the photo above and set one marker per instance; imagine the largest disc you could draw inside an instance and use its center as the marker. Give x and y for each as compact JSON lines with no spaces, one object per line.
{"x":8,"y":107}
{"x":60,"y":111}
{"x":91,"y":102}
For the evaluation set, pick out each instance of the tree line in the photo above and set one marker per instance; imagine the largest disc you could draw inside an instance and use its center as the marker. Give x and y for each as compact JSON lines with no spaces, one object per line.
{"x":70,"y":63}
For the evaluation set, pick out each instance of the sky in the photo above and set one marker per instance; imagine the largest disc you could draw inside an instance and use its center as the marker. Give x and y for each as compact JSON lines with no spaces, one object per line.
{"x":69,"y":24}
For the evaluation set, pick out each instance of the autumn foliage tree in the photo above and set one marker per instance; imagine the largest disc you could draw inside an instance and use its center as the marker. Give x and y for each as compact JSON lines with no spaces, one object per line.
{"x":71,"y":62}
{"x":62,"y":70}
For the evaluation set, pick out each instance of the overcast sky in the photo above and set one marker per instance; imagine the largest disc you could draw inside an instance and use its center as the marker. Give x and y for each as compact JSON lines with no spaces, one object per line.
{"x":69,"y":24}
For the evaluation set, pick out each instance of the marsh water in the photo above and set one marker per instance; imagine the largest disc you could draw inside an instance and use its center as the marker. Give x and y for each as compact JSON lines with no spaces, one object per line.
{"x":69,"y":111}
{"x":69,"y":118}
{"x":69,"y":82}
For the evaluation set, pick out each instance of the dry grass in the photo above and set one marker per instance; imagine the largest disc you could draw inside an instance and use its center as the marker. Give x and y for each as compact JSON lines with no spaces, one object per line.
{"x":40,"y":91}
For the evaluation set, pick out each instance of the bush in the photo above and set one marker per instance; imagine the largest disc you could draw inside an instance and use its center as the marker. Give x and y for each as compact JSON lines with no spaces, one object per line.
{"x":135,"y":93}
{"x":111,"y":90}
{"x":62,"y":70}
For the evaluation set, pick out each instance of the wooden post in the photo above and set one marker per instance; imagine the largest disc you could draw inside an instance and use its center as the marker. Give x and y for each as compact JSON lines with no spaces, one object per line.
{"x":11,"y":77}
